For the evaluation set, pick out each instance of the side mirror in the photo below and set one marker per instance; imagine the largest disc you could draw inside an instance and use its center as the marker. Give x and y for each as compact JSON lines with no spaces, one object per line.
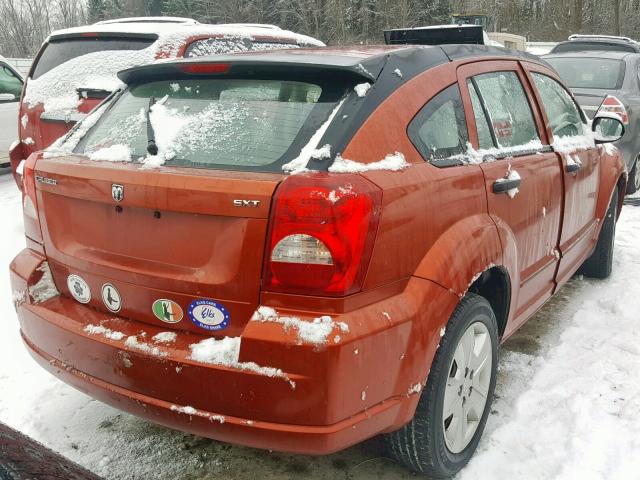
{"x":607,"y":127}
{"x":7,"y":97}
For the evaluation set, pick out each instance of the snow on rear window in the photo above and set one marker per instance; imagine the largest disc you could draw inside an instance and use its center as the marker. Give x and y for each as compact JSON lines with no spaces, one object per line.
{"x":208,"y":123}
{"x":217,"y":46}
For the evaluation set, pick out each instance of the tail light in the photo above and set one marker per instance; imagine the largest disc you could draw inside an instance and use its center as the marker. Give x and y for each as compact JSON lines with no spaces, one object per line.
{"x":30,"y":200}
{"x":322,"y":232}
{"x":612,"y":105}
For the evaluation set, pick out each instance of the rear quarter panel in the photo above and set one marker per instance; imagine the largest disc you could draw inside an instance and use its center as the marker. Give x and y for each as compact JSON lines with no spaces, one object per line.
{"x":434,"y":224}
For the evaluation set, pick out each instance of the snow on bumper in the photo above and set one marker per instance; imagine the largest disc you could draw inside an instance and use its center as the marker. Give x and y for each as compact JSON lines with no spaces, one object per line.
{"x":323,"y":400}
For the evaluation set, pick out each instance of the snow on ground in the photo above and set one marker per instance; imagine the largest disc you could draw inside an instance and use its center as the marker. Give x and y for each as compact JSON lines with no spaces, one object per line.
{"x":566,"y":402}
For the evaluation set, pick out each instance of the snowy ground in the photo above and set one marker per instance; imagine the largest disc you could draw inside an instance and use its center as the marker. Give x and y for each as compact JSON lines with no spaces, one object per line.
{"x":566,"y":405}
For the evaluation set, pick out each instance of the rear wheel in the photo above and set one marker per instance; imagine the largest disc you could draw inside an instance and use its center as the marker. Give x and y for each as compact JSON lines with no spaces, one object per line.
{"x":633,"y":184}
{"x":453,"y":409}
{"x":600,"y":263}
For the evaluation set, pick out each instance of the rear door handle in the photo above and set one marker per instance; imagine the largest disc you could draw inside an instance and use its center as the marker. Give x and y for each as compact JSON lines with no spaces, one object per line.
{"x":504,"y":185}
{"x":573,"y":167}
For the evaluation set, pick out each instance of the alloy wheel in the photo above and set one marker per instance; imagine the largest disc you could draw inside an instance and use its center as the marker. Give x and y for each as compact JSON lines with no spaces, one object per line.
{"x":467,"y":387}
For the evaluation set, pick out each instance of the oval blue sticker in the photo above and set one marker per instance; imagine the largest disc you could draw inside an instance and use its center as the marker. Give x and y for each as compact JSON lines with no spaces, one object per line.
{"x":208,"y":314}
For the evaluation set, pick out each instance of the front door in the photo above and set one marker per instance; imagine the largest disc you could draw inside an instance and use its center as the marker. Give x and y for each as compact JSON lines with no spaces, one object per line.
{"x":580,"y":157}
{"x":523,"y":178}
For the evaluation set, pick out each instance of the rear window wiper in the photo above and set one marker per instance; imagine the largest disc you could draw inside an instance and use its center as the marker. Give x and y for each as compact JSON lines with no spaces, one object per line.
{"x":152,"y":148}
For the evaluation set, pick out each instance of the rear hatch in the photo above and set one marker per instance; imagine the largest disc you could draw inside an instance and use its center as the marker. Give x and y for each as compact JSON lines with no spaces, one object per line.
{"x":591,"y":79}
{"x":175,"y":236}
{"x":186,"y":227}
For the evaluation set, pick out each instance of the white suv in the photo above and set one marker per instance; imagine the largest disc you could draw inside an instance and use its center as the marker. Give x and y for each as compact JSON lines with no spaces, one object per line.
{"x":10,"y":88}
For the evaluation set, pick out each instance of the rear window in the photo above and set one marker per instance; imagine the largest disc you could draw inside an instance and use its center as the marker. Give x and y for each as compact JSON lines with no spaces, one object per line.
{"x":588,"y":72}
{"x":61,"y":51}
{"x":216,"y":46}
{"x":234,"y":124}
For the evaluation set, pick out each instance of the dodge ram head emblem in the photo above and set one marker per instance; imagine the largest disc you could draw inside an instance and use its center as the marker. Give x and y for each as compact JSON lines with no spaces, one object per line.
{"x":117,"y":192}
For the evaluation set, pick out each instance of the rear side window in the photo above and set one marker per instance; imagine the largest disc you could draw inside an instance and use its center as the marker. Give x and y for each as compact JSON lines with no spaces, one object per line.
{"x":61,"y":51}
{"x":588,"y":72}
{"x":507,"y":108}
{"x":563,"y":115}
{"x":235,"y":124}
{"x":439,"y":131}
{"x":217,"y":46}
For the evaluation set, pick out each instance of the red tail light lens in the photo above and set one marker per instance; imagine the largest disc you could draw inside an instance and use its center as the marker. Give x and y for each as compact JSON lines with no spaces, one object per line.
{"x":612,"y":105}
{"x":322,"y":232}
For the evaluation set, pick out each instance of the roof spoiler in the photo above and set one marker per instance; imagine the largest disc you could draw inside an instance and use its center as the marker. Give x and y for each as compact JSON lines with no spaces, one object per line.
{"x":438,"y":35}
{"x":54,"y":37}
{"x":249,"y":66}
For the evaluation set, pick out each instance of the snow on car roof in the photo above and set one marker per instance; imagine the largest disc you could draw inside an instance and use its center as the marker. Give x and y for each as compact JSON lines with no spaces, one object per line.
{"x":182,"y":20}
{"x":184,"y":31}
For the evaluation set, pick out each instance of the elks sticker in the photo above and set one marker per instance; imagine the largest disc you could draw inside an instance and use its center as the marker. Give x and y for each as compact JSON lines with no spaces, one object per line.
{"x":167,"y":310}
{"x":208,"y":314}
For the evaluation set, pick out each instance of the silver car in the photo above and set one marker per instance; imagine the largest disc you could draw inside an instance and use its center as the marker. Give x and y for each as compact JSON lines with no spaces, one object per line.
{"x":10,"y":88}
{"x":597,"y":75}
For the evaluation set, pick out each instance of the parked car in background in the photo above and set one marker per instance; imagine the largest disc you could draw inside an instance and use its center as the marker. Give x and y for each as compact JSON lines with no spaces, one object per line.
{"x":10,"y":88}
{"x":607,"y":81}
{"x":583,"y":43}
{"x":262,"y":248}
{"x":75,"y":68}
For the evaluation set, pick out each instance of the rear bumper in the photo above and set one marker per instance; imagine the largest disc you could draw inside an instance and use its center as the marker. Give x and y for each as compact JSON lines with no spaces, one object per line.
{"x":358,"y":385}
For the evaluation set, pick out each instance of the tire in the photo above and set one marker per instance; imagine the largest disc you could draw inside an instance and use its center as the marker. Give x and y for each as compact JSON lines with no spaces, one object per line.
{"x":423,"y":445}
{"x":633,"y":184}
{"x":600,"y":263}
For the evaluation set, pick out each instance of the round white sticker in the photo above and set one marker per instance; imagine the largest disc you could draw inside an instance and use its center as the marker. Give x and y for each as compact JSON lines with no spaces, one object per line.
{"x":111,"y":298}
{"x":79,"y":288}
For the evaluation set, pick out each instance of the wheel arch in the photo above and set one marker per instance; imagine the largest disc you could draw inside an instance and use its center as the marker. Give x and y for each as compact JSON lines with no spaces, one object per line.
{"x":622,"y":190}
{"x":613,"y":176}
{"x":494,"y":285}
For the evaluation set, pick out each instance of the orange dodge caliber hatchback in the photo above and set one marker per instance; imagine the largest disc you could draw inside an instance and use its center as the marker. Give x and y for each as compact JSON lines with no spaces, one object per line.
{"x":299,"y":250}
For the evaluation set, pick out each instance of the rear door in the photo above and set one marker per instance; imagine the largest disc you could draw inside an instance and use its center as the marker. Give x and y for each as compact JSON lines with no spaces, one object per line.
{"x":580,"y":159}
{"x":523,"y":177}
{"x":179,"y":235}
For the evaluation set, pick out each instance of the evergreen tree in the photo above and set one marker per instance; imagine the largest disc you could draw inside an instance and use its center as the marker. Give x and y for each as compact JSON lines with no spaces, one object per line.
{"x":95,"y":10}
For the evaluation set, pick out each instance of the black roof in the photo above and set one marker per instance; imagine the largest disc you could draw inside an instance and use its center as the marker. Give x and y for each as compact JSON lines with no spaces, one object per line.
{"x":361,"y":63}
